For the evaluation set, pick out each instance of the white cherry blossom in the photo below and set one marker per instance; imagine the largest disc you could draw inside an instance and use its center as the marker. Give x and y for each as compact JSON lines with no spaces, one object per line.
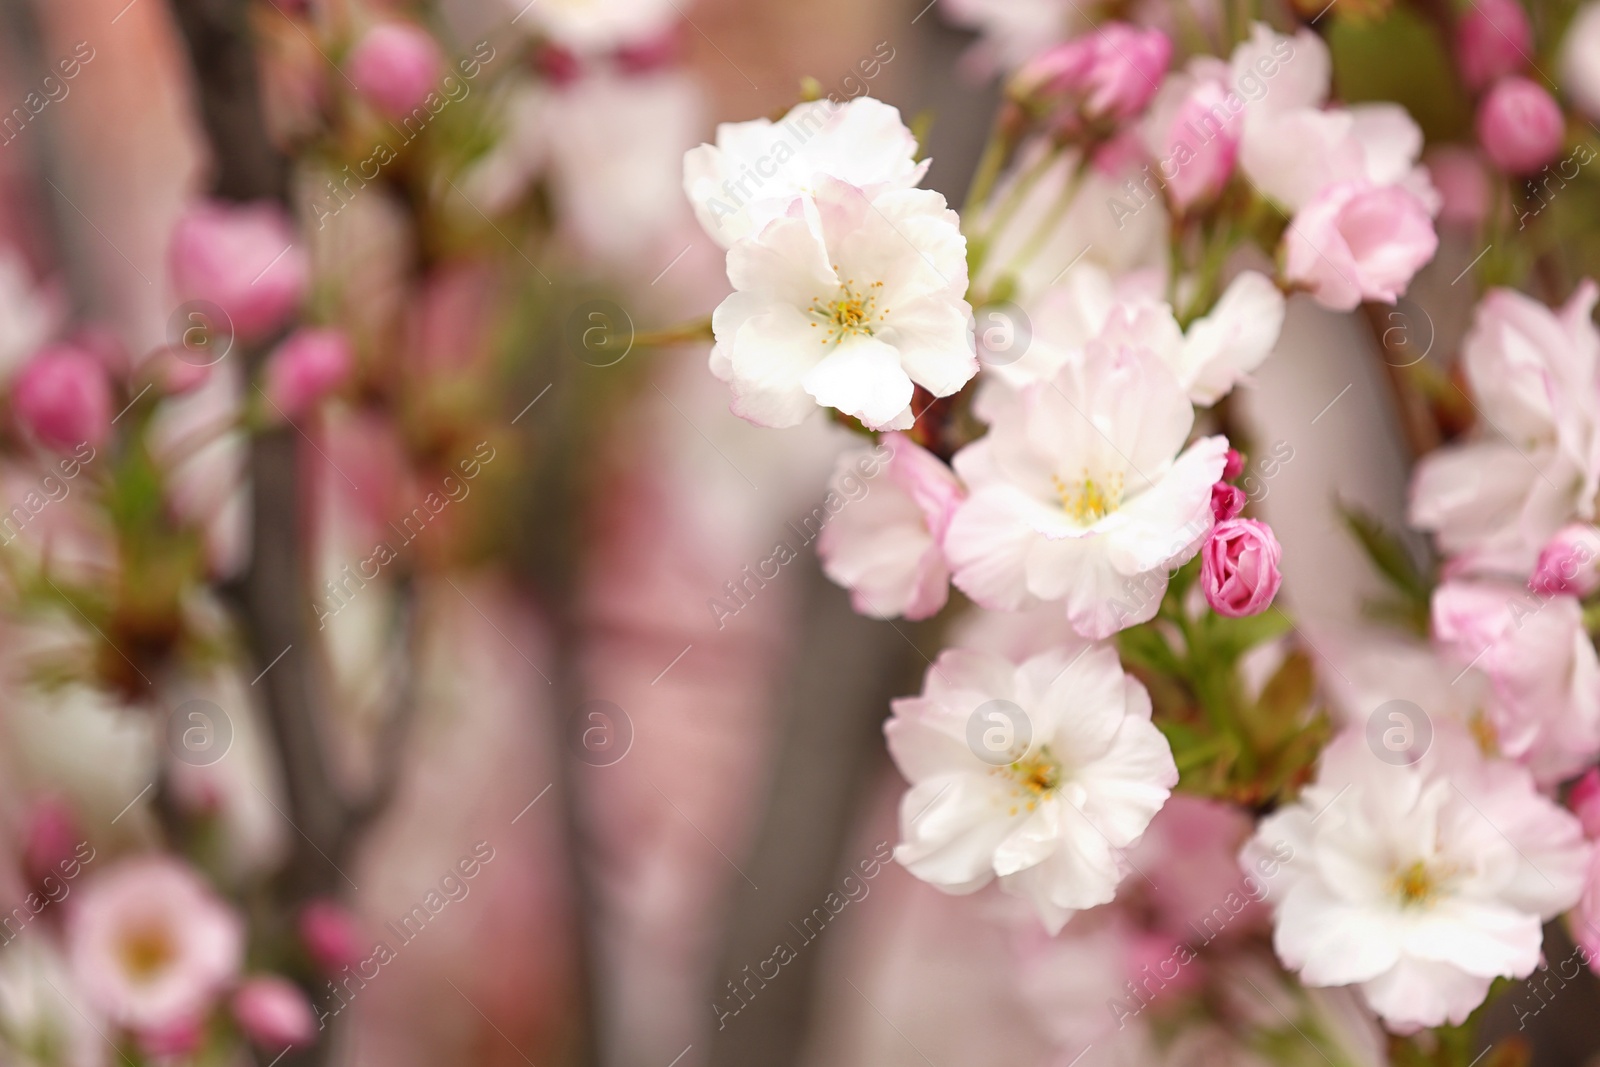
{"x":845,"y":302}
{"x":1051,"y":813}
{"x":1494,"y":501}
{"x":757,"y":169}
{"x":1083,"y":492}
{"x":1419,"y":884}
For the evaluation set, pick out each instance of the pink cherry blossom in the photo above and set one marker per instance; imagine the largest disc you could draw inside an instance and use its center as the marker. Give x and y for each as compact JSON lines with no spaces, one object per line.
{"x":274,"y":1013}
{"x":1584,"y":800}
{"x":1496,"y":499}
{"x":331,"y":935}
{"x":1083,"y":492}
{"x":884,"y":544}
{"x":1541,"y":666}
{"x":1420,"y":883}
{"x":1239,"y":567}
{"x":62,"y":397}
{"x":1493,"y":39}
{"x":1520,"y":126}
{"x":1569,"y":562}
{"x":1193,"y":131}
{"x":151,"y":944}
{"x":395,"y":66}
{"x":1110,"y":72}
{"x":1226,"y":501}
{"x":1355,"y":241}
{"x":311,"y":363}
{"x":243,"y":258}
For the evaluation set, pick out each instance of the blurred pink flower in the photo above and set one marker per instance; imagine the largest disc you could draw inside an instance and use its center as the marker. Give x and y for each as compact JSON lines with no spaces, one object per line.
{"x":1458,"y":173}
{"x":307,"y":366}
{"x":1584,"y":800}
{"x":1496,"y":499}
{"x":331,"y":935}
{"x":1110,"y":72}
{"x":62,"y":398}
{"x":152,"y":945}
{"x":174,"y":1040}
{"x":1520,"y":126}
{"x":1355,"y":241}
{"x":1579,"y":73}
{"x":1569,"y":563}
{"x":51,"y":837}
{"x":243,"y":258}
{"x":275,"y":1013}
{"x":1541,"y":664}
{"x":1239,"y":567}
{"x":395,"y":66}
{"x":1193,"y":132}
{"x":651,"y":53}
{"x":1493,"y":39}
{"x":883,"y":545}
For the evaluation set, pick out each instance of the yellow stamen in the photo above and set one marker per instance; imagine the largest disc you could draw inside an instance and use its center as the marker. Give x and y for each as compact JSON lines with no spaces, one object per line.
{"x":146,"y":951}
{"x":1087,"y":501}
{"x":850,"y":313}
{"x":1416,"y":885}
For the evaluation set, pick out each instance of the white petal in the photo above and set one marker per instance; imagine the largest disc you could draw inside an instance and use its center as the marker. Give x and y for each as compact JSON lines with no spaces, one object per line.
{"x":861,"y":377}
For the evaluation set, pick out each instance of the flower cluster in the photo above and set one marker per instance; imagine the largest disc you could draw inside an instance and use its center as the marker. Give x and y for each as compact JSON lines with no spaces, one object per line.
{"x":1052,"y":452}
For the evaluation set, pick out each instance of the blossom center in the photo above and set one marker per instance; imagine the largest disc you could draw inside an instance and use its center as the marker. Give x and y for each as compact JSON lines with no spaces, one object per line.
{"x":852,"y":312}
{"x":1086,"y":499}
{"x":146,"y":951}
{"x":1416,"y":885}
{"x":1034,"y":776}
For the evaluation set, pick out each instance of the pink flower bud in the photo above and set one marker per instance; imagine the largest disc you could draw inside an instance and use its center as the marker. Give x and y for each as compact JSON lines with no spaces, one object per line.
{"x":244,"y":259}
{"x":330,"y":935}
{"x":1109,"y":73}
{"x":51,"y":838}
{"x":1520,"y":126}
{"x":274,"y":1013}
{"x":1570,"y":563}
{"x":1232,"y":465}
{"x":1584,"y":800}
{"x":310,"y":364}
{"x":1355,"y":241}
{"x":1493,"y":39}
{"x":560,"y":66}
{"x":652,"y":53}
{"x":395,"y":66}
{"x":173,"y":1040}
{"x":1239,"y":567}
{"x":1202,"y":145}
{"x":62,"y":398}
{"x":1226,"y":501}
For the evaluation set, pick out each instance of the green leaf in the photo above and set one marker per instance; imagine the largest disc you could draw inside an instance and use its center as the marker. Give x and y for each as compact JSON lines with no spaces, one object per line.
{"x":1388,"y":554}
{"x":1144,"y":646}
